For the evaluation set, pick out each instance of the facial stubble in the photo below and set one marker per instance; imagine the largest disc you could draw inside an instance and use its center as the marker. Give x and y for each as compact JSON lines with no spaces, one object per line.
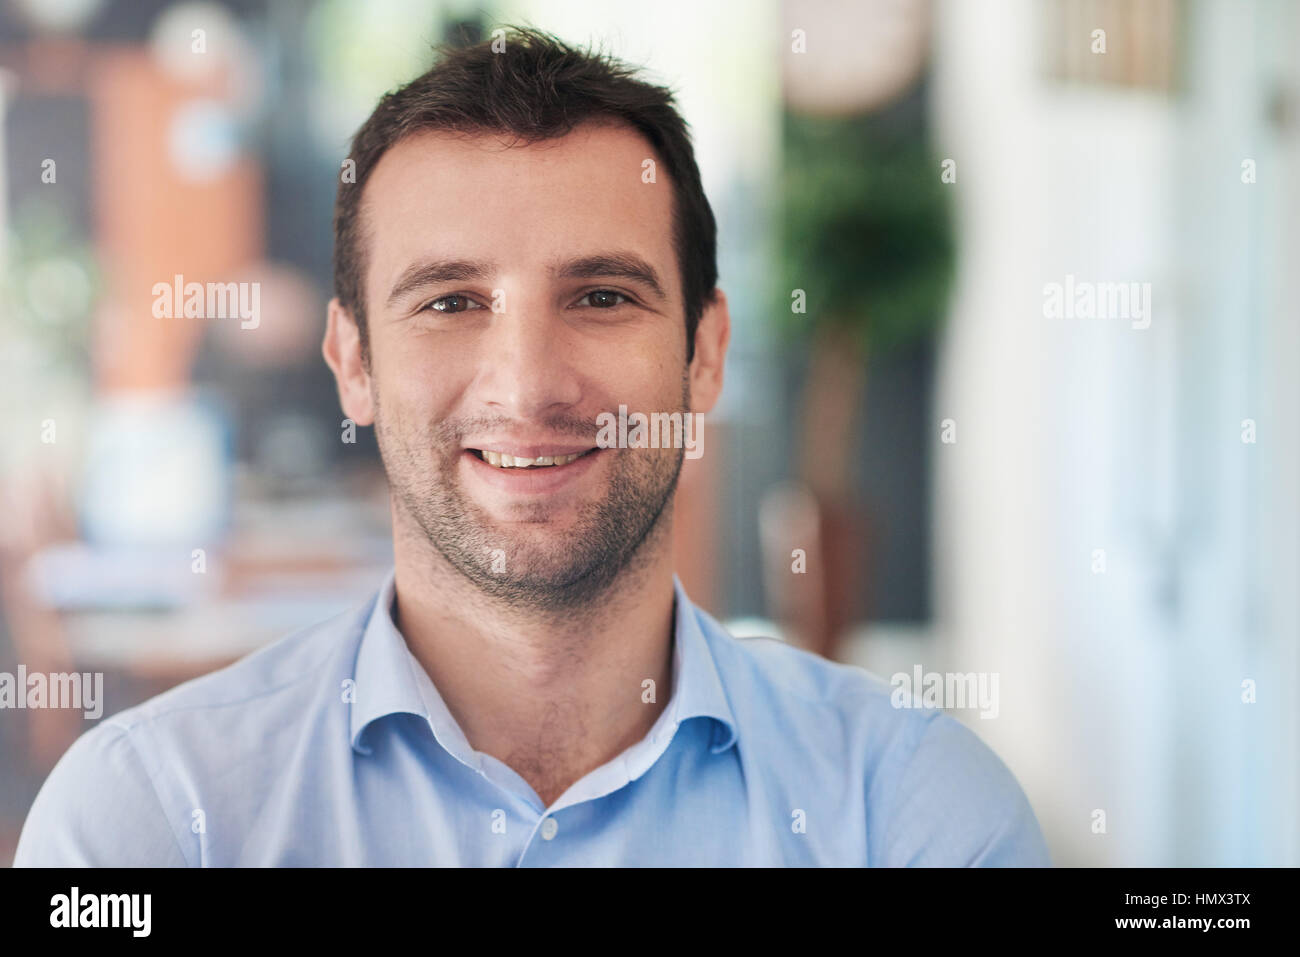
{"x":563,"y":570}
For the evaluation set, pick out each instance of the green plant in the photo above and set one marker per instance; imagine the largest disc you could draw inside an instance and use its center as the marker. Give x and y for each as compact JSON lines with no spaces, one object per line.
{"x":866,"y":236}
{"x":48,"y":285}
{"x":866,"y":231}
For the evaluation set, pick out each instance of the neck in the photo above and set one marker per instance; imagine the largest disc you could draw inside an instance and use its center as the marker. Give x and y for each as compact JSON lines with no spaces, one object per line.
{"x":553,"y":695}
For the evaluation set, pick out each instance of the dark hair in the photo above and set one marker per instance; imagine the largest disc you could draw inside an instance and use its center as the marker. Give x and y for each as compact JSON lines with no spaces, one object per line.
{"x":538,"y":89}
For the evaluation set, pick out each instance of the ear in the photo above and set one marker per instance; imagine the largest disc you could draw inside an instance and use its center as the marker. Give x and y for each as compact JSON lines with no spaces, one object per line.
{"x":342,"y":351}
{"x":712,"y":337}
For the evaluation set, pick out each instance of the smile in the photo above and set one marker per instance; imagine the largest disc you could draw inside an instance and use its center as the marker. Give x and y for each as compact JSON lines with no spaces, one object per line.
{"x":504,"y":460}
{"x":545,"y":471}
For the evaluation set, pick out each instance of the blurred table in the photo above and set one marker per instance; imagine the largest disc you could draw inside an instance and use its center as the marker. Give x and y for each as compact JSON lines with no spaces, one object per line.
{"x":194,"y":639}
{"x":148,"y":613}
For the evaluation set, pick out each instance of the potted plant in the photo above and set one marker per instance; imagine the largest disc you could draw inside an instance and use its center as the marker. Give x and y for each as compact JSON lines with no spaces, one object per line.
{"x":866,"y":259}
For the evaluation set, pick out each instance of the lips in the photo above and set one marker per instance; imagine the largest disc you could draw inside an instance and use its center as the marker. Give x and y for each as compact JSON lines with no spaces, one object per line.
{"x":505,"y":460}
{"x":531,"y":479}
{"x":526,"y":449}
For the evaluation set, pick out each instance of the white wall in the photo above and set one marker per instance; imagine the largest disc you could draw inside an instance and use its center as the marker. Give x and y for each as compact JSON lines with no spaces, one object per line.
{"x":1120,"y":691}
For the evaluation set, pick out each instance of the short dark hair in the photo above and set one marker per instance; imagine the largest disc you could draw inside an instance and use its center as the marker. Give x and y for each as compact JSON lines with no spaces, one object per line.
{"x":537,"y":89}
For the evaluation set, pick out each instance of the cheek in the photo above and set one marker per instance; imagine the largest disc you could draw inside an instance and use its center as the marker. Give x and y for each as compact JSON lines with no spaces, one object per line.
{"x":646,"y":379}
{"x":412,"y":382}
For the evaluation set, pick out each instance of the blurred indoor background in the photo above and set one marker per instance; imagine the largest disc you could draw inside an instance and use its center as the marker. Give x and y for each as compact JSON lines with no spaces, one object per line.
{"x":1101,"y":512}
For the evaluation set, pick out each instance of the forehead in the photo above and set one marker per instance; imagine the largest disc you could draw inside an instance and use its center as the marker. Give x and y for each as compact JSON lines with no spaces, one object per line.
{"x":479,"y":197}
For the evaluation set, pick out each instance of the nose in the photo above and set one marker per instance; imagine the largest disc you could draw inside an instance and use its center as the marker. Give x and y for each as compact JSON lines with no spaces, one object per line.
{"x":526,"y":362}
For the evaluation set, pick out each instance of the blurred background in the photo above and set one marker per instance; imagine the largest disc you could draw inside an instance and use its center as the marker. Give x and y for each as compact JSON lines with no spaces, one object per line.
{"x":1103,"y":515}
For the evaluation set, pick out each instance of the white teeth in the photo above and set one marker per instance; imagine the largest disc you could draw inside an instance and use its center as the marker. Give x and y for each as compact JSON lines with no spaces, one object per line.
{"x":505,"y":460}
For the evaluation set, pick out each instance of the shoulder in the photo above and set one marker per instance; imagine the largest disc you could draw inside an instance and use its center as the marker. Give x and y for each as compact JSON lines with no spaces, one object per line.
{"x":122,"y":793}
{"x":278,"y":675}
{"x":954,"y":802}
{"x":770,"y":679}
{"x":98,"y":808}
{"x":933,"y":792}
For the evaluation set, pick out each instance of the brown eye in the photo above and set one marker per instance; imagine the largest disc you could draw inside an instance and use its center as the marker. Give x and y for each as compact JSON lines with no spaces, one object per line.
{"x":605,"y":298}
{"x":449,"y":304}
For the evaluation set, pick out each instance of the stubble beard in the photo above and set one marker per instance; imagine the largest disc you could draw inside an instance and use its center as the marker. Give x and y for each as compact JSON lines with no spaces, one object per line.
{"x":562,"y":571}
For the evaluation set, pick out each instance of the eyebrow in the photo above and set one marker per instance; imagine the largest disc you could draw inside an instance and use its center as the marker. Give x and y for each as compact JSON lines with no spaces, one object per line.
{"x":628,"y":266}
{"x":432,"y":272}
{"x":615,"y":265}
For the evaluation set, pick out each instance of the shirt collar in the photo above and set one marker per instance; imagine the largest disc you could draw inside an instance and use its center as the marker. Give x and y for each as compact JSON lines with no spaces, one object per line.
{"x":386,"y":682}
{"x":697,"y":686}
{"x":383,"y":679}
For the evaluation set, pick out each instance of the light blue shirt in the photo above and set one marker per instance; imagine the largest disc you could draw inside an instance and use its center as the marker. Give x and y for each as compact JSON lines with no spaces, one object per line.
{"x":331,"y":746}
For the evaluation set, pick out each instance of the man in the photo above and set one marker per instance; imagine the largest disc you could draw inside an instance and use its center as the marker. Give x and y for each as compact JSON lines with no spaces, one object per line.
{"x":526,"y":247}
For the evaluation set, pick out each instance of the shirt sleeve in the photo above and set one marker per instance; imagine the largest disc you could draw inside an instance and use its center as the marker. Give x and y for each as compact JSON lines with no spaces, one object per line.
{"x":98,"y":808}
{"x":957,"y":805}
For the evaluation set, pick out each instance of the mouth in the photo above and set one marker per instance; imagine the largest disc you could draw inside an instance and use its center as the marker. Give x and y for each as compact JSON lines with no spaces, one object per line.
{"x":504,"y":460}
{"x":562,"y":472}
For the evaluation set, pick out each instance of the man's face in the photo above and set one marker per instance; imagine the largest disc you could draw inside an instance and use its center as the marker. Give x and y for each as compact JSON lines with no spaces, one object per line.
{"x":505,"y":313}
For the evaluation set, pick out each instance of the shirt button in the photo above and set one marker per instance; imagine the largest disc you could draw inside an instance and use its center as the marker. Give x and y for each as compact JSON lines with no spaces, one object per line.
{"x":549,"y":827}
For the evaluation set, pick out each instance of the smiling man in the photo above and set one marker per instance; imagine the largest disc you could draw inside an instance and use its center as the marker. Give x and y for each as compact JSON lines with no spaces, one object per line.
{"x":526,"y":248}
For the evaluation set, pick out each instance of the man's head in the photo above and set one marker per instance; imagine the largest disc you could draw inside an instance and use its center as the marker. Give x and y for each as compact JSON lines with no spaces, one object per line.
{"x":530,"y":88}
{"x":526,"y":245}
